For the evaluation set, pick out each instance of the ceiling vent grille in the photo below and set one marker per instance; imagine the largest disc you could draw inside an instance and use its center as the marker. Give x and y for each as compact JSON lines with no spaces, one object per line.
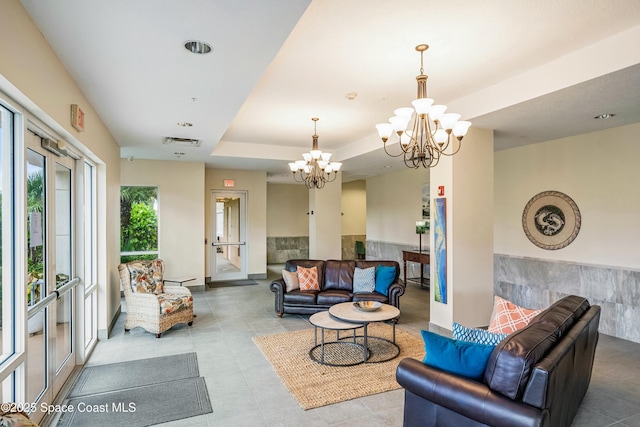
{"x":182,"y":142}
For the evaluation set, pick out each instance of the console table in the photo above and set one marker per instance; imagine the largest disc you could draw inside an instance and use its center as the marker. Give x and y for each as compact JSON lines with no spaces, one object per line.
{"x":419,"y":257}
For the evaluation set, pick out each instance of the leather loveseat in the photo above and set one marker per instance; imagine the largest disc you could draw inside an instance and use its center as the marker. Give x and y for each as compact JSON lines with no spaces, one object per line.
{"x":536,"y":376}
{"x":335,"y":278}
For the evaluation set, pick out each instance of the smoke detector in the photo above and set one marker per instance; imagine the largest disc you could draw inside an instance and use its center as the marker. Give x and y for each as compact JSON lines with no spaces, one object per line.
{"x":182,"y":142}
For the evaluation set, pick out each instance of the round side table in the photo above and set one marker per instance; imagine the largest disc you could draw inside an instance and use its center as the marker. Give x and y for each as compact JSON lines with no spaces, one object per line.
{"x":341,"y":352}
{"x":384,"y":349}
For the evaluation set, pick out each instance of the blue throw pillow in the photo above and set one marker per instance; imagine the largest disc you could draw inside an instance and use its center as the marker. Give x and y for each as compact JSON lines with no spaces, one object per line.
{"x":456,"y":357}
{"x":479,"y":336}
{"x":385,"y":275}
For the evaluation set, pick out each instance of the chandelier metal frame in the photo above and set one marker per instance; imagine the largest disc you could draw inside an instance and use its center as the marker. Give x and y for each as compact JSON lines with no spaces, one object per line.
{"x":433,"y":131}
{"x":315,"y":169}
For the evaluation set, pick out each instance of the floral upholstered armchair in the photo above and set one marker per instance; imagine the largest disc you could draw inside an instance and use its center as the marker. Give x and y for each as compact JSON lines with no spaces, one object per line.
{"x":150,"y":304}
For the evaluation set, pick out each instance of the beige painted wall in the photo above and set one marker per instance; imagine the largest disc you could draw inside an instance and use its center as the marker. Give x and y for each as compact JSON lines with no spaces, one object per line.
{"x":32,"y":75}
{"x":354,"y":208}
{"x":287,"y":210}
{"x":255,"y":184}
{"x":325,"y":223}
{"x":394,"y":204}
{"x":180,"y":211}
{"x":599,"y":171}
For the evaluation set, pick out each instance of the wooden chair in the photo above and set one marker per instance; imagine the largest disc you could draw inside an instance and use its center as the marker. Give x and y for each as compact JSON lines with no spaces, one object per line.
{"x":150,"y":304}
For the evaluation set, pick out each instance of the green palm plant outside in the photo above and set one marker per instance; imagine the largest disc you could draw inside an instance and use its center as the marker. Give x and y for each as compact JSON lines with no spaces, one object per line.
{"x":138,"y":221}
{"x":35,"y":260}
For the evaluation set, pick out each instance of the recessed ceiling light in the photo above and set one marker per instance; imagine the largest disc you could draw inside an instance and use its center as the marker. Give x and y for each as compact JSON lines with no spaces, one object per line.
{"x":604,"y":116}
{"x":185,"y":124}
{"x":197,"y":46}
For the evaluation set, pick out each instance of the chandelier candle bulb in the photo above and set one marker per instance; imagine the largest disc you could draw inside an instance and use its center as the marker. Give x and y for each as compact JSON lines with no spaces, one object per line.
{"x":436,"y":112}
{"x":384,"y":130}
{"x":449,"y":120}
{"x":461,"y":128}
{"x":430,"y":136}
{"x":422,"y":105}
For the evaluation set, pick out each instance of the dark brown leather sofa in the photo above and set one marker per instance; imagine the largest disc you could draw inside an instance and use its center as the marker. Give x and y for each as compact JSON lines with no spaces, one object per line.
{"x":336,"y":286}
{"x":537,"y":376}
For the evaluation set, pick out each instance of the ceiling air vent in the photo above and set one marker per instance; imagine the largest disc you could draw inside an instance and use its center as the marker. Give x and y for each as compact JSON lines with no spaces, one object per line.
{"x":183,"y":142}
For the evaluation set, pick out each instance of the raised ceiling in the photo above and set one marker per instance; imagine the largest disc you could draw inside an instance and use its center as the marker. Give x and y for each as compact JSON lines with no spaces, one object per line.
{"x":532,"y":70}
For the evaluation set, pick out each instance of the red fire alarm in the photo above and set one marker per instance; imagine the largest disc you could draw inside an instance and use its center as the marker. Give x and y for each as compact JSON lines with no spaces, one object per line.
{"x":441,"y":190}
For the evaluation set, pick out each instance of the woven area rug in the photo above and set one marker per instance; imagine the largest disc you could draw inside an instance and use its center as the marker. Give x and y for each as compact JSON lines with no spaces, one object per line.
{"x":314,"y":385}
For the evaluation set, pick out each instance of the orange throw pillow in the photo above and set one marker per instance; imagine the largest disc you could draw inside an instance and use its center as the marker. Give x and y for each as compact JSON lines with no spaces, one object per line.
{"x":308,"y":279}
{"x":508,"y":317}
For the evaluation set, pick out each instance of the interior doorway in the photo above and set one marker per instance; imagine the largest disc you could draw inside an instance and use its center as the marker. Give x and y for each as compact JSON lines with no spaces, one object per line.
{"x":228,"y":240}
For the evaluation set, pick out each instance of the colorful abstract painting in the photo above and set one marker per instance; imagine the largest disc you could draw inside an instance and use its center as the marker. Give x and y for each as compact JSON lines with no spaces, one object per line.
{"x":440,"y":250}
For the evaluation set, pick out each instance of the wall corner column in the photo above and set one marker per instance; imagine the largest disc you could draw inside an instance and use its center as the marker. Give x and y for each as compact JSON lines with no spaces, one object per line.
{"x":467,"y":178}
{"x":325,"y":221}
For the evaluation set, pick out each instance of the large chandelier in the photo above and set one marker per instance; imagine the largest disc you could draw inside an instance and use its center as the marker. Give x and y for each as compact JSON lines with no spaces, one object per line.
{"x":434,"y":132}
{"x":316,"y":169}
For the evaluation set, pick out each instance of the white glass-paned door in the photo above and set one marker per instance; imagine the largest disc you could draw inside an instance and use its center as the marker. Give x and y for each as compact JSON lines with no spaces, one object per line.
{"x":64,"y":312}
{"x":229,"y":245}
{"x":37,"y":281}
{"x":50,"y":288}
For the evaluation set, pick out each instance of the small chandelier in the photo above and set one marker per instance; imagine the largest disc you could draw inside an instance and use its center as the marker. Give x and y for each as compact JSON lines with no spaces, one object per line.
{"x":316,"y":169}
{"x":433,"y":131}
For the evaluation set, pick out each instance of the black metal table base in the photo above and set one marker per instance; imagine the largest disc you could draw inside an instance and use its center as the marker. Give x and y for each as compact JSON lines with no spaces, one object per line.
{"x":338,"y":353}
{"x":350,"y":351}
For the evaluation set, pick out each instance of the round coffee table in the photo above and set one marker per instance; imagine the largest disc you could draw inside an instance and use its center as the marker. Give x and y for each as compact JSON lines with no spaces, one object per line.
{"x":341,"y":352}
{"x":376,"y":349}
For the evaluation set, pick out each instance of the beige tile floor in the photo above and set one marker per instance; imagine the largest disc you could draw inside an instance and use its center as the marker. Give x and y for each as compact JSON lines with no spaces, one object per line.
{"x":245,"y":391}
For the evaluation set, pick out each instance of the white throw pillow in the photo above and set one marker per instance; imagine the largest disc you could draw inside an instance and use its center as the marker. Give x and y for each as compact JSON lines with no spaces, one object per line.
{"x":290,"y":280}
{"x":364,"y":280}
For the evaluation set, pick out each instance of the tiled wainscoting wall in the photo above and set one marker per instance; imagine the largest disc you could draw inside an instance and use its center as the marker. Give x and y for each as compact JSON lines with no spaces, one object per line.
{"x":281,"y":249}
{"x":349,"y":245}
{"x":393,"y":252}
{"x":537,"y":283}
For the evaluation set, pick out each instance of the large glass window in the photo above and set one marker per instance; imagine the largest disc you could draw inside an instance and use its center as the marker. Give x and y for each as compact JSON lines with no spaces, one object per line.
{"x":90,"y":259}
{"x":6,"y":237}
{"x":139,"y":223}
